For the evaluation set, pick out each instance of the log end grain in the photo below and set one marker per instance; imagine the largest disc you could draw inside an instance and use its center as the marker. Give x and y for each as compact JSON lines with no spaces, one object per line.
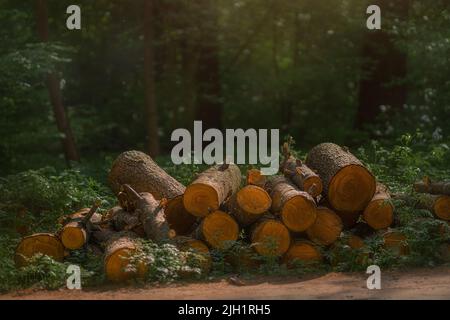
{"x":270,"y":238}
{"x":43,"y":243}
{"x":73,"y":236}
{"x":299,"y":212}
{"x":178,"y":218}
{"x":441,"y":207}
{"x":303,"y":252}
{"x":351,"y":188}
{"x":199,"y":248}
{"x":355,"y":242}
{"x":313,"y":185}
{"x":219,"y":229}
{"x":118,"y":263}
{"x":200,"y":199}
{"x":253,"y":200}
{"x":327,"y":227}
{"x":379,"y":214}
{"x":254,"y":177}
{"x":396,"y":242}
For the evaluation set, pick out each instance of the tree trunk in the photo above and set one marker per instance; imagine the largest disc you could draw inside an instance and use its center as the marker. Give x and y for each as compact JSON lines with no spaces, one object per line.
{"x":76,"y":231}
{"x":270,"y":237}
{"x":218,"y":229}
{"x":43,"y":243}
{"x":151,"y":215}
{"x":209,"y":105}
{"x":62,"y":121}
{"x":249,"y":204}
{"x":140,"y":171}
{"x":326,"y":229}
{"x":202,"y":257}
{"x":379,"y":214}
{"x":440,"y":187}
{"x":396,"y":242}
{"x":212,"y":188}
{"x":348,"y":185}
{"x":296,"y":208}
{"x":254,"y":177}
{"x":302,"y":176}
{"x":436,"y":204}
{"x":119,"y":261}
{"x":383,"y":64}
{"x":149,"y":79}
{"x":302,"y":251}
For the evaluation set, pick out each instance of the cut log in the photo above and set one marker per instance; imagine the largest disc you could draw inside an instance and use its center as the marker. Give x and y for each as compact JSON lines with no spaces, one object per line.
{"x":379,"y":213}
{"x":427,"y":186}
{"x":75,"y":233}
{"x":138,"y":170}
{"x":120,"y":250}
{"x":296,"y":208}
{"x":396,"y":242}
{"x":122,"y":220}
{"x":299,"y":173}
{"x":302,"y":176}
{"x":243,"y":259}
{"x":151,"y":215}
{"x":302,"y":251}
{"x":439,"y":205}
{"x":249,"y":204}
{"x":178,"y":218}
{"x":270,"y":237}
{"x":199,"y":248}
{"x":43,"y":243}
{"x":218,"y":229}
{"x":348,"y":185}
{"x":327,"y":227}
{"x":212,"y":188}
{"x":355,"y":242}
{"x":255,"y":178}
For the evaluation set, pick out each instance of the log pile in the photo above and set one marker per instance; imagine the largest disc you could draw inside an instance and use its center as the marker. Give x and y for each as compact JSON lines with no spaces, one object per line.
{"x":292,"y":217}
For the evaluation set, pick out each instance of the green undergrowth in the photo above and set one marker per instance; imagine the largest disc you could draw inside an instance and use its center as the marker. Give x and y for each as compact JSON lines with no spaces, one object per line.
{"x":32,"y":201}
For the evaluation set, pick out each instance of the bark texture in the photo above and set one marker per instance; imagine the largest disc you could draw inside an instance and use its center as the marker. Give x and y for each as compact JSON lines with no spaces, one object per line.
{"x":348,"y":185}
{"x":249,"y":204}
{"x":211,"y":189}
{"x":440,"y":187}
{"x":140,"y":171}
{"x":296,"y":208}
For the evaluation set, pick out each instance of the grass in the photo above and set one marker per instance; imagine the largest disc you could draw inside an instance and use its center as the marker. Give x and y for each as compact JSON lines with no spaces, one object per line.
{"x":33,"y":200}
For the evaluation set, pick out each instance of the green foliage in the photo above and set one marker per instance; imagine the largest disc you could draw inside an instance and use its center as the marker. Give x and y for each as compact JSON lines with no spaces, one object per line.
{"x":41,"y":196}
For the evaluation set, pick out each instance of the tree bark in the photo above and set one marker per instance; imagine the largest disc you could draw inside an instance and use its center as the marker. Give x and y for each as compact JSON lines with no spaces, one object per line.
{"x":149,"y":79}
{"x":211,"y":189}
{"x":296,"y":208}
{"x":348,"y":185}
{"x":62,"y":121}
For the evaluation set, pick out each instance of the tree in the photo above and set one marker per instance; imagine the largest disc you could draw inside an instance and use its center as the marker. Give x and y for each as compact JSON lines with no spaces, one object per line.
{"x":209,"y":105}
{"x":149,"y":79}
{"x":53,"y":85}
{"x":383,"y":64}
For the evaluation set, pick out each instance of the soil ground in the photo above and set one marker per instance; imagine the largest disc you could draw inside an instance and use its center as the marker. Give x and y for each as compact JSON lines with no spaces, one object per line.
{"x":412,"y":284}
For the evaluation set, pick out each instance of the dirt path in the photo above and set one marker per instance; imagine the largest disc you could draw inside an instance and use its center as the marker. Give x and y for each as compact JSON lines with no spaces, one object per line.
{"x":415,"y":284}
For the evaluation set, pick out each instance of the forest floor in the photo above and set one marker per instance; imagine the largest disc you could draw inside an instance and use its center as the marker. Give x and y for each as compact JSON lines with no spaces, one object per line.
{"x":430,"y":283}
